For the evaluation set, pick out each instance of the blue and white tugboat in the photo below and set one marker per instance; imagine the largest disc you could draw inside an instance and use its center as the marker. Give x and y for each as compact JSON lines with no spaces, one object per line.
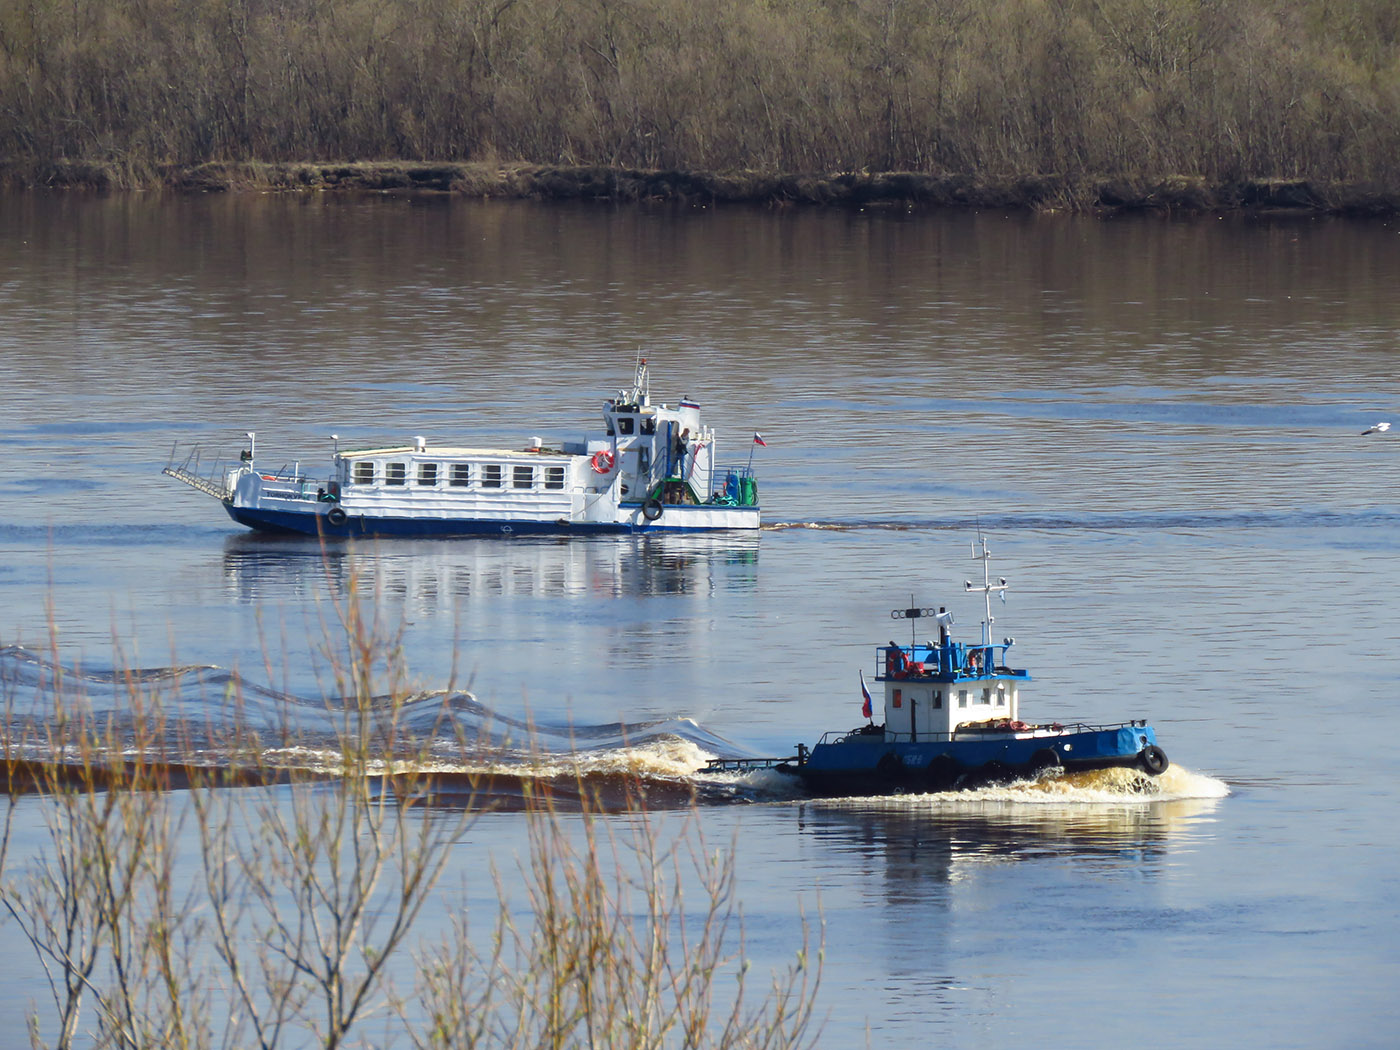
{"x":654,"y":468}
{"x":953,"y":720}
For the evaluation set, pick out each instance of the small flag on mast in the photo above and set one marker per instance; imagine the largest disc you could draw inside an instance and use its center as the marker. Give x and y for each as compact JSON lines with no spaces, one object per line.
{"x":867,"y":708}
{"x":758,"y":439}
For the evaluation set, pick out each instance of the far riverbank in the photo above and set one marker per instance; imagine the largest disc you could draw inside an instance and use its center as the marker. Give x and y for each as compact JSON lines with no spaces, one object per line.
{"x":1088,"y":194}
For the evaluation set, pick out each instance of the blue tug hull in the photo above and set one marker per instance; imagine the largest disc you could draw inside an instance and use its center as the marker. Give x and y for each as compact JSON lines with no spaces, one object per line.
{"x":865,"y":762}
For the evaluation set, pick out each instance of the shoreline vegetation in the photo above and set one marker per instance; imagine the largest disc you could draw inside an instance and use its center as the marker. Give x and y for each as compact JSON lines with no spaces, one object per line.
{"x":522,"y":181}
{"x":1040,"y":104}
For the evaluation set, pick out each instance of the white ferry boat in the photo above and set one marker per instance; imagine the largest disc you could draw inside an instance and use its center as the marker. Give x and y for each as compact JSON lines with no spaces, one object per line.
{"x":653,"y":468}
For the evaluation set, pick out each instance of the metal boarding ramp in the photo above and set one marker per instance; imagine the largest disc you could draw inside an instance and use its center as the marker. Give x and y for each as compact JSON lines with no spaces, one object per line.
{"x":188,"y":472}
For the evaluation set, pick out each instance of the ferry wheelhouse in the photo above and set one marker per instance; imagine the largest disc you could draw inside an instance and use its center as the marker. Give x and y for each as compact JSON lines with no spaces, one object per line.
{"x":654,"y":467}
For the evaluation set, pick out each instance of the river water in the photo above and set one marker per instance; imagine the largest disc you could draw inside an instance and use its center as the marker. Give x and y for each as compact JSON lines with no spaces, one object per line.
{"x":1156,"y":422}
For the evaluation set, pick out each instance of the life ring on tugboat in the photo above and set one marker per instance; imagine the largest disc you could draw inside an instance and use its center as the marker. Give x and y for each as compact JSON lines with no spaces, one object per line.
{"x":896,"y":662}
{"x":974,"y":661}
{"x":602,"y":461}
{"x":1153,"y":759}
{"x":336,"y":516}
{"x":652,"y":509}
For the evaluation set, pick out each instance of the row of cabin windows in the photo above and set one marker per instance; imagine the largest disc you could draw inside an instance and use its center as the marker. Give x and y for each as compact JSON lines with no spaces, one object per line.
{"x":459,"y":475}
{"x":984,"y":699}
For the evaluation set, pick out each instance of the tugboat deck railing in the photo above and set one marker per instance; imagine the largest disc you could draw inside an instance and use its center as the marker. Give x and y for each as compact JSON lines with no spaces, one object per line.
{"x":966,"y":731}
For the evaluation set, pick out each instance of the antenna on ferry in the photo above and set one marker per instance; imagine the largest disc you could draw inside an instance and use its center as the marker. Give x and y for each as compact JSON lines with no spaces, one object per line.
{"x":988,"y":587}
{"x":641,"y":386}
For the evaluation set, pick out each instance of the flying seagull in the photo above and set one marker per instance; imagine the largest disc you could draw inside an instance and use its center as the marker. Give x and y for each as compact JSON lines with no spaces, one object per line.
{"x":1376,"y":428}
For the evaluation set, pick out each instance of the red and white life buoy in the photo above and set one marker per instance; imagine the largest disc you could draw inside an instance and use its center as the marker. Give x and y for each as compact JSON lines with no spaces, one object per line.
{"x":603,"y":461}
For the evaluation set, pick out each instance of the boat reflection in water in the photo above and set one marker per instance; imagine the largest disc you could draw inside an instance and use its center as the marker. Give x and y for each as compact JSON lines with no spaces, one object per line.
{"x":428,"y":574}
{"x":911,"y":892}
{"x":1102,"y":822}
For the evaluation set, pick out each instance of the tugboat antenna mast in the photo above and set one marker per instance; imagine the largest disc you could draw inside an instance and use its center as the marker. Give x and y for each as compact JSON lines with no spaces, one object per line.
{"x":988,"y":587}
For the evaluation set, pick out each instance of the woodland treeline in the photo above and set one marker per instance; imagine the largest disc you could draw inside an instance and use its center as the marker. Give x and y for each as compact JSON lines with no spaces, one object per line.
{"x":1219,"y":89}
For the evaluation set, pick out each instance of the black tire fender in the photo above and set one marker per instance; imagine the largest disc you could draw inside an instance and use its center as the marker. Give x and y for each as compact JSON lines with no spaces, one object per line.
{"x":652,"y":509}
{"x":1153,"y":760}
{"x":890,"y":764}
{"x":943,"y":772}
{"x":336,"y":516}
{"x":1044,"y":760}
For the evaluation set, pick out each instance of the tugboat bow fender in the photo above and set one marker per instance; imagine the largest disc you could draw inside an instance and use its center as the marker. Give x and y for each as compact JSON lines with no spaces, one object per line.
{"x":1153,"y":760}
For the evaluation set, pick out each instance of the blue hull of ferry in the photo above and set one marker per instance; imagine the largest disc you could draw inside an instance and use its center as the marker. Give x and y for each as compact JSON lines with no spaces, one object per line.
{"x":317,"y":525}
{"x":865,"y":762}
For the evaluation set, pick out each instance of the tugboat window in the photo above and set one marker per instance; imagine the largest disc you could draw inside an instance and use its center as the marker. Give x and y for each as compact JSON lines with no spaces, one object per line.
{"x":461,"y":475}
{"x":554,"y":477}
{"x":491,"y":475}
{"x":649,"y":425}
{"x":937,"y":699}
{"x":962,"y":697}
{"x":1001,"y":697}
{"x":395,"y":473}
{"x":624,"y":424}
{"x":427,"y":474}
{"x":363,"y":473}
{"x":523,"y":478}
{"x":986,"y":697}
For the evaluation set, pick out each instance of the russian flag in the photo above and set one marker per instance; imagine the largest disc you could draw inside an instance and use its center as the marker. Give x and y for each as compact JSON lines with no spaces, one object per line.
{"x":758,"y":439}
{"x":868,"y":707}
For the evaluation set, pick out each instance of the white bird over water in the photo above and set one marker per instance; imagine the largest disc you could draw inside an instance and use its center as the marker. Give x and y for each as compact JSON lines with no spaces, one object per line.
{"x":1376,"y":428}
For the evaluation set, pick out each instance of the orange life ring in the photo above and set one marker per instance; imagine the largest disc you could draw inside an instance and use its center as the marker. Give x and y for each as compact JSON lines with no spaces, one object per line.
{"x":603,"y":461}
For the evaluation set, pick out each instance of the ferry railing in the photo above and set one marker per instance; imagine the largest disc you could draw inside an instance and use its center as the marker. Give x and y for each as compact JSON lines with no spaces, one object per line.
{"x":290,"y":485}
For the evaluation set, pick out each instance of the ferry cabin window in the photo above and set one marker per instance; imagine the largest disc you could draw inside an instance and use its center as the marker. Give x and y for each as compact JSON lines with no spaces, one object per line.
{"x":554,"y":477}
{"x":492,"y":475}
{"x":523,"y":478}
{"x":461,"y":475}
{"x":363,"y":473}
{"x":395,"y":473}
{"x":625,"y":424}
{"x":427,"y":474}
